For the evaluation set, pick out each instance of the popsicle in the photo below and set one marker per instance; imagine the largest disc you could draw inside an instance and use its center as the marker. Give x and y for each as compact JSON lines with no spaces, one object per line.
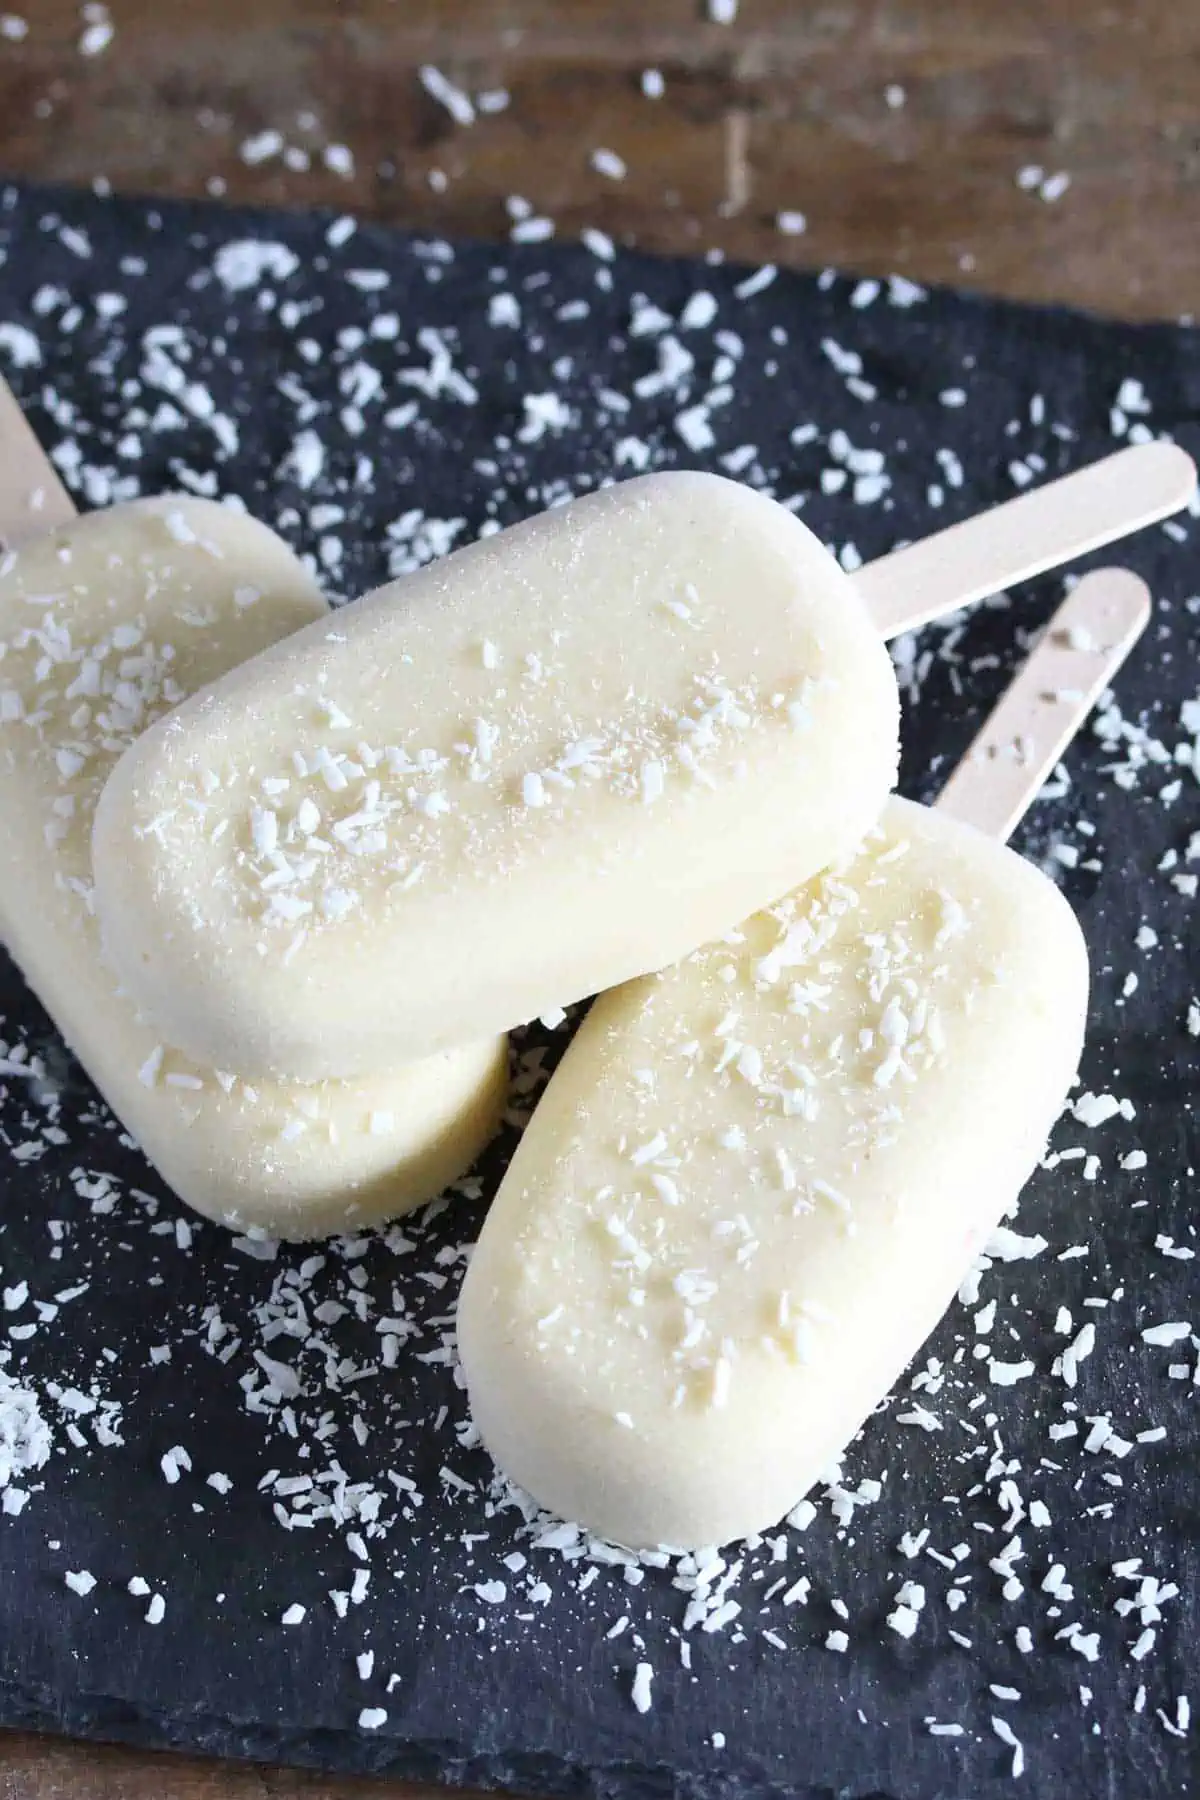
{"x":757,"y":1178}
{"x":557,"y":759}
{"x":105,"y":622}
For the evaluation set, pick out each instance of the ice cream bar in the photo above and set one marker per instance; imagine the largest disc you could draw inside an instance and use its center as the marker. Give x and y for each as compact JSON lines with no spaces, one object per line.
{"x":757,"y":1178}
{"x":560,"y":757}
{"x":105,"y":623}
{"x":557,"y":759}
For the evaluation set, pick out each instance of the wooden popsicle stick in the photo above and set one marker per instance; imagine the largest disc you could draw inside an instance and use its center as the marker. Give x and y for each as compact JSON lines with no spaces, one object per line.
{"x":32,"y":498}
{"x":1080,"y":651}
{"x":1021,"y":538}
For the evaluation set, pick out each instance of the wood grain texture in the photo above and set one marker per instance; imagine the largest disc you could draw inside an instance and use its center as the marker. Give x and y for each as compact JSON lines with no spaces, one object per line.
{"x":36,"y":1768}
{"x":897,"y":127}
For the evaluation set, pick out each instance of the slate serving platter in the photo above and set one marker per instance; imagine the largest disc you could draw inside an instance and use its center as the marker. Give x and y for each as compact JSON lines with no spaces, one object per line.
{"x":272,"y":358}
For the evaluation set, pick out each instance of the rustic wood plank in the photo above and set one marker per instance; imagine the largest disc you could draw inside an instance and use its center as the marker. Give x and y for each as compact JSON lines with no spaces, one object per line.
{"x":896,"y":126}
{"x":37,"y":1768}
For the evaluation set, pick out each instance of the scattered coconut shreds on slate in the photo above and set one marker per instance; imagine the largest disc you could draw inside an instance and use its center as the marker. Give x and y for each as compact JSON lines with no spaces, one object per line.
{"x":264,"y":1451}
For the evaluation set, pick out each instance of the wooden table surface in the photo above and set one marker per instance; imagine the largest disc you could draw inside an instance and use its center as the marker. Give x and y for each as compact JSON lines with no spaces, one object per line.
{"x":897,"y":128}
{"x":1045,"y":149}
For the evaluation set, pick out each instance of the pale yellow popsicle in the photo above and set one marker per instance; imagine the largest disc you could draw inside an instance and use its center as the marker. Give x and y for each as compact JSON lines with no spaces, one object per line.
{"x":558,"y":758}
{"x":757,"y":1178}
{"x":105,"y":623}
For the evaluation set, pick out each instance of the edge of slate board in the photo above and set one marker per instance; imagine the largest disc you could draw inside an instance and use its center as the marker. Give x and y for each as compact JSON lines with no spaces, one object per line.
{"x":696,"y":1771}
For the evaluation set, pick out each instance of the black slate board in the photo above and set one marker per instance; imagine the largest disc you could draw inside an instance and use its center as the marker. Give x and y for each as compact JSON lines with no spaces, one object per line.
{"x":533,"y":1692}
